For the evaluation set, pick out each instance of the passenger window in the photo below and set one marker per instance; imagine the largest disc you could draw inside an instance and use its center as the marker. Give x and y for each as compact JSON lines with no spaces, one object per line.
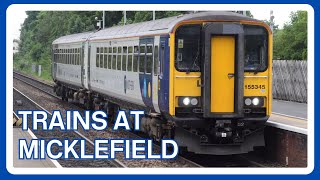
{"x":142,"y":58}
{"x":67,"y":56}
{"x":114,"y":58}
{"x":149,"y":49}
{"x":101,"y":58}
{"x":75,"y":56}
{"x":135,"y":62}
{"x":97,"y":58}
{"x":119,"y":58}
{"x":142,"y":48}
{"x":124,"y":59}
{"x":114,"y":62}
{"x":149,"y":64}
{"x":79,"y":56}
{"x":129,"y":67}
{"x":162,"y":59}
{"x":136,"y":49}
{"x":62,"y":56}
{"x":72,"y":56}
{"x":135,"y":59}
{"x":109,"y":61}
{"x":149,"y":58}
{"x":156,"y":60}
{"x":130,"y":49}
{"x":105,"y":60}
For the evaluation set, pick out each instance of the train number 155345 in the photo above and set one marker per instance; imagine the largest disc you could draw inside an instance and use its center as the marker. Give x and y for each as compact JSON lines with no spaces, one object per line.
{"x":254,"y":86}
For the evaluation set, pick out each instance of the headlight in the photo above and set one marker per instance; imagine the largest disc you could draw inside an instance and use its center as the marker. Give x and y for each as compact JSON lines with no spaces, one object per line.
{"x":255,"y":101}
{"x":186,"y":101}
{"x":194,"y":101}
{"x":247,"y":101}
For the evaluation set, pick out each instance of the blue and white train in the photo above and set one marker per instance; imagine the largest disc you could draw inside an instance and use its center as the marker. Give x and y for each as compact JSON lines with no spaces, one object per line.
{"x":203,"y":79}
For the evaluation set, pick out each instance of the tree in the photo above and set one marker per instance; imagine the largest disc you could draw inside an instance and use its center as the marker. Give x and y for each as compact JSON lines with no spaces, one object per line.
{"x":41,"y":28}
{"x":291,"y":41}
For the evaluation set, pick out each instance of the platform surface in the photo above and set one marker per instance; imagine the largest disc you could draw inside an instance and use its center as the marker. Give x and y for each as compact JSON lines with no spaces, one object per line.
{"x":290,"y":108}
{"x":289,"y":116}
{"x":290,"y":121}
{"x":17,"y":163}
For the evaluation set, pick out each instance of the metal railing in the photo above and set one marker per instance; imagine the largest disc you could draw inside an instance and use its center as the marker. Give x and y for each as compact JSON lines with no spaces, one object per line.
{"x":290,"y":80}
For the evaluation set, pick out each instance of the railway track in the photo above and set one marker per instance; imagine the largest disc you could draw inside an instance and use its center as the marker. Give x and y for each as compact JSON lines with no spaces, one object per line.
{"x":29,"y":104}
{"x":190,"y":159}
{"x":44,"y":88}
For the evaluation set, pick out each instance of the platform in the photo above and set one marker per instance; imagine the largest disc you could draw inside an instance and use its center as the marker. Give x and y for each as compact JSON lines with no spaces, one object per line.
{"x":17,"y":163}
{"x":289,"y":116}
{"x":290,"y":108}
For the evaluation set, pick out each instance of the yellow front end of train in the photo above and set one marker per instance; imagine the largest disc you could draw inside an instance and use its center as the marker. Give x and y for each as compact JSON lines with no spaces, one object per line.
{"x":221,"y":82}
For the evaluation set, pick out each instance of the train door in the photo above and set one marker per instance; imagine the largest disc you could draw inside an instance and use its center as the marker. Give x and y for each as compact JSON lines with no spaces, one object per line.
{"x":54,"y":62}
{"x":85,"y":65}
{"x":155,"y":76}
{"x":145,"y":69}
{"x":223,"y":70}
{"x":163,"y":87}
{"x":82,"y":64}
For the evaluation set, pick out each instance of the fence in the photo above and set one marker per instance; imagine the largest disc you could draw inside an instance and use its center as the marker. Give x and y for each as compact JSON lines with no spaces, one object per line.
{"x":290,"y":81}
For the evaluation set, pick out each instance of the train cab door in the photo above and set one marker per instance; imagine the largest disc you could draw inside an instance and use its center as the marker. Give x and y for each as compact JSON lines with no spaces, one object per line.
{"x":223,"y":70}
{"x":222,"y":74}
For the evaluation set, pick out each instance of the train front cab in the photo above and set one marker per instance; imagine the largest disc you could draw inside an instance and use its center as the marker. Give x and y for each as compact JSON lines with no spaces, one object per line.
{"x":220,"y":85}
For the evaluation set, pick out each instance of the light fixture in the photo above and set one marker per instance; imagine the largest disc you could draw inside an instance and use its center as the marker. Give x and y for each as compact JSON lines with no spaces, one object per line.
{"x":194,"y":101}
{"x":186,"y":101}
{"x":255,"y":101}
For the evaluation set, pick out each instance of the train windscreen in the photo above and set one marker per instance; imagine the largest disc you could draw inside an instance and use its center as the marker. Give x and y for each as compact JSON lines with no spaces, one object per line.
{"x":188,"y":52}
{"x":256,"y":48}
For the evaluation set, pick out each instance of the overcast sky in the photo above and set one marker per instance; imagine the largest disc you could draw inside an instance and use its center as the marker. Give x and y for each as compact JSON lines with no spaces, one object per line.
{"x":281,"y":17}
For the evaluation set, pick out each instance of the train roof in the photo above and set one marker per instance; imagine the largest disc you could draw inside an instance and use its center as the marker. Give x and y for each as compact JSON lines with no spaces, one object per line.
{"x":160,"y":26}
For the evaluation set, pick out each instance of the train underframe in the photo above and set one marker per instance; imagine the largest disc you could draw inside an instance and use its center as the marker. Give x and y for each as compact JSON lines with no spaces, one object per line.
{"x":197,"y":135}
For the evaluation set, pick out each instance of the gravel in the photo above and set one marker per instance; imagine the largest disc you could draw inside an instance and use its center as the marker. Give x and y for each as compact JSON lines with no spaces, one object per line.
{"x":48,"y":135}
{"x":51,"y":103}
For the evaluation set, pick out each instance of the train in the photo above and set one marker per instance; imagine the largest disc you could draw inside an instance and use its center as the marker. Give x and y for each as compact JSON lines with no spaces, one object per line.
{"x":202,"y":79}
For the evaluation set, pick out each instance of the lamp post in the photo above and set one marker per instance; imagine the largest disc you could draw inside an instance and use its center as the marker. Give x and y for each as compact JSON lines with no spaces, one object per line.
{"x":103,"y":19}
{"x":124,"y":17}
{"x":99,"y":21}
{"x":271,"y":20}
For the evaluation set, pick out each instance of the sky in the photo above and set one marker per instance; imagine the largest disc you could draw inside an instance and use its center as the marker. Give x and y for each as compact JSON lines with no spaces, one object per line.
{"x":281,"y":17}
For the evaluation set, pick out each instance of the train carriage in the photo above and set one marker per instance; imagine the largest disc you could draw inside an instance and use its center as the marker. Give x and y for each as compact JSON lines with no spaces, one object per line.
{"x":203,"y":79}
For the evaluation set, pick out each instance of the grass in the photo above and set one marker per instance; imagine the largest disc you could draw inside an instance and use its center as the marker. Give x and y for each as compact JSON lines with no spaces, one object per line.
{"x":25,"y":66}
